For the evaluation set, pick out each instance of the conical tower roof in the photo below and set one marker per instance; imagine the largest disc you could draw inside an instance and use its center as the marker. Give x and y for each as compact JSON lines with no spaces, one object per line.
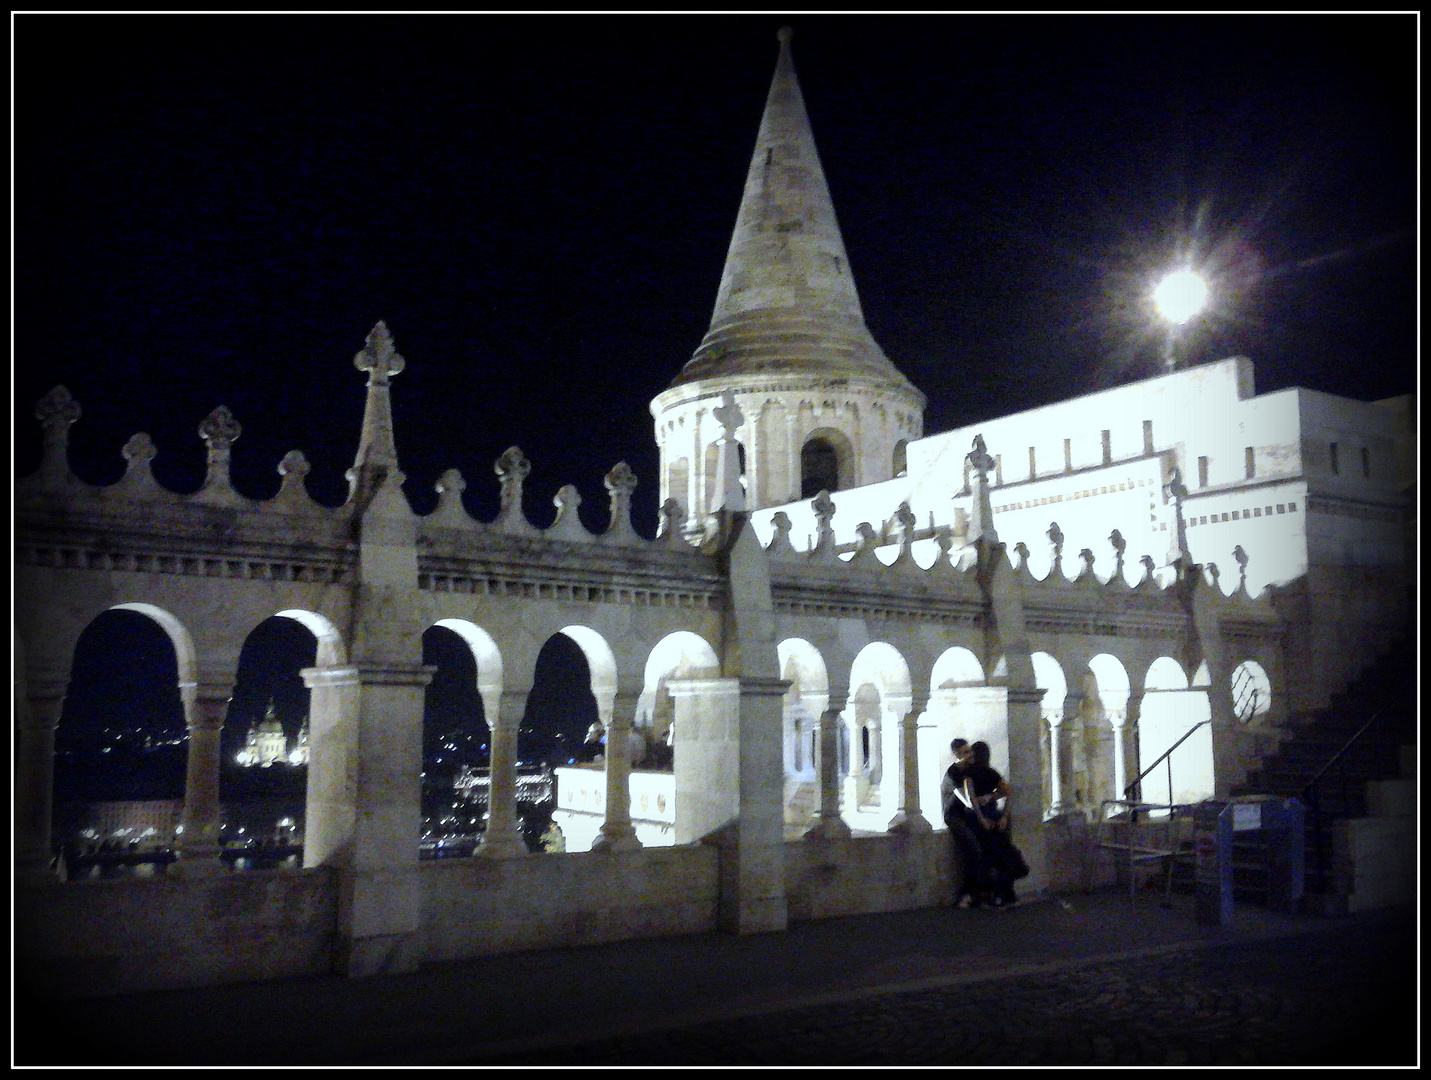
{"x":787,"y":302}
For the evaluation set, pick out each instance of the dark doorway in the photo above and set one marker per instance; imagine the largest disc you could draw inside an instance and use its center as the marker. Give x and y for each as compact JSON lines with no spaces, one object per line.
{"x":819,"y":468}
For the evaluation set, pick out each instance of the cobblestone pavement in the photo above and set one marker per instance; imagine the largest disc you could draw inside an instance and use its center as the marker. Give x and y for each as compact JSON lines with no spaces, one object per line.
{"x":1324,"y":998}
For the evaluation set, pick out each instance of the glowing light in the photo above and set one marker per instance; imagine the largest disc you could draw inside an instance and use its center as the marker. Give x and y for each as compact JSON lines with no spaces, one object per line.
{"x":1180,"y":296}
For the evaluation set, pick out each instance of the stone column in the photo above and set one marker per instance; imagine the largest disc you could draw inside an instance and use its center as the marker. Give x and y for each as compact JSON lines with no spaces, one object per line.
{"x":854,"y":755}
{"x":831,"y":826}
{"x":792,"y":457}
{"x":503,"y":836}
{"x":696,"y":477}
{"x":885,"y":751}
{"x":1116,"y":716}
{"x":908,"y":818}
{"x":617,"y":833}
{"x":37,"y":715}
{"x":1053,"y":717}
{"x":759,"y":900}
{"x":1132,"y":713}
{"x":206,"y":706}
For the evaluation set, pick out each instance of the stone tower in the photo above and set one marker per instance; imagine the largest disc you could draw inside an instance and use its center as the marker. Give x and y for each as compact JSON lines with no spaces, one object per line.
{"x":822,"y":406}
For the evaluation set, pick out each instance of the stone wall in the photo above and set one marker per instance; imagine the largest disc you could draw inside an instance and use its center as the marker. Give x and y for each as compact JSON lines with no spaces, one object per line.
{"x":86,"y":939}
{"x":863,"y":874}
{"x":476,"y":907}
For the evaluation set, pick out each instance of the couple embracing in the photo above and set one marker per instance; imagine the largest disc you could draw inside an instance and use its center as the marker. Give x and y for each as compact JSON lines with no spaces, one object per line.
{"x":989,"y":863}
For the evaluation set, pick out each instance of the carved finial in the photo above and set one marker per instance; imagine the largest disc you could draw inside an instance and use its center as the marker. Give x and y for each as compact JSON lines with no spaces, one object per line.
{"x":1022,"y":551}
{"x":294,"y":464}
{"x":1055,"y":537}
{"x":139,"y":448}
{"x":56,"y":411}
{"x":1119,"y":547}
{"x":1086,"y":555}
{"x":784,"y":34}
{"x":293,"y":468}
{"x":1241,"y":557}
{"x":728,"y":414}
{"x":1213,"y":573}
{"x":906,"y":521}
{"x":567,"y":525}
{"x":512,"y":469}
{"x":450,"y":511}
{"x":57,"y":408}
{"x":378,"y":357}
{"x":672,"y":515}
{"x":220,"y":430}
{"x":868,"y":539}
{"x":620,"y":483}
{"x":1149,"y":567}
{"x":780,"y":542}
{"x":824,"y":508}
{"x":944,"y":540}
{"x":450,"y":481}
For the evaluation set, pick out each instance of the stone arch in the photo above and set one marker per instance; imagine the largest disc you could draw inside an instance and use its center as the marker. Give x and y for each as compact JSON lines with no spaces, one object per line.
{"x":899,"y":460}
{"x":461,"y":706}
{"x":1169,"y":710}
{"x":956,"y":667}
{"x":330,"y":643}
{"x":802,"y":666}
{"x":484,"y":651}
{"x":1057,"y":764}
{"x":880,"y":696}
{"x":679,"y":655}
{"x":826,"y":462}
{"x":602,"y":663}
{"x":1101,"y":762}
{"x":179,"y":636}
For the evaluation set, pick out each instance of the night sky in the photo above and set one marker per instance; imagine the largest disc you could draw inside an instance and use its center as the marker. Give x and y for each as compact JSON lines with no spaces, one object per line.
{"x":215,"y":210}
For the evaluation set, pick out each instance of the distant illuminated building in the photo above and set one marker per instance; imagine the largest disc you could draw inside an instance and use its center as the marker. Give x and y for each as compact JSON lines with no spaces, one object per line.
{"x":266,"y":744}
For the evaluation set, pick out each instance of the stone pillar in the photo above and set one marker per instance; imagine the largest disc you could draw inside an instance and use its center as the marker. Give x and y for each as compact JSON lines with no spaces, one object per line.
{"x":854,"y":755}
{"x":503,"y":836}
{"x":1116,"y":717}
{"x":830,"y":826}
{"x":908,"y":818}
{"x":617,"y":833}
{"x":37,"y":715}
{"x":759,"y":901}
{"x":1132,"y":713}
{"x":792,"y":458}
{"x":206,"y":706}
{"x":696,"y":477}
{"x":1053,"y":717}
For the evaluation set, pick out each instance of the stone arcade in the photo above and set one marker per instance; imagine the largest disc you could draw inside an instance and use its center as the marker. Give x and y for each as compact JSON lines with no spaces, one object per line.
{"x":831,"y":597}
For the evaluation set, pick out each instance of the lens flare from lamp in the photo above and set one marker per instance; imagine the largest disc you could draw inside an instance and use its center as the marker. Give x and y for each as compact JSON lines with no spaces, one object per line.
{"x":1180,"y":296}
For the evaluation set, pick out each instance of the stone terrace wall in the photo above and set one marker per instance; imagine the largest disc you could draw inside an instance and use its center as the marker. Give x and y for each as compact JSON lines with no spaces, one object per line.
{"x":864,"y":874}
{"x":91,"y":938}
{"x":476,"y":907}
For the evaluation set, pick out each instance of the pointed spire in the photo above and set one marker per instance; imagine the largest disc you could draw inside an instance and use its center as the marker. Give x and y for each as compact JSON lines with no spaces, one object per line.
{"x":381,"y":361}
{"x":787,"y":301}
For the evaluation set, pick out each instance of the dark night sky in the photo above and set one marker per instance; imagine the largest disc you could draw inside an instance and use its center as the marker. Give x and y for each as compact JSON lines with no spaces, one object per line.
{"x":217,"y":209}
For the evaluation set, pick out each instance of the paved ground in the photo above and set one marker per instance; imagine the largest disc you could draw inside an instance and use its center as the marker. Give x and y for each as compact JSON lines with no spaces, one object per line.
{"x":1077,"y":980}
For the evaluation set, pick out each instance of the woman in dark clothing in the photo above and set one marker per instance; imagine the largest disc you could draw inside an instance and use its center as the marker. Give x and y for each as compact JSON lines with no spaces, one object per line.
{"x":1006,"y":863}
{"x":964,"y":831}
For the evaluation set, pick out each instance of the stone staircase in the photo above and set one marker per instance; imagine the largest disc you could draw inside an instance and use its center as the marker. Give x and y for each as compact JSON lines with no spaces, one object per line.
{"x":1364,"y":783}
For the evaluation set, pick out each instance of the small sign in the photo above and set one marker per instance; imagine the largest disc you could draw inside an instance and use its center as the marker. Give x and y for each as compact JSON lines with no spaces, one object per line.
{"x":1246,"y":816}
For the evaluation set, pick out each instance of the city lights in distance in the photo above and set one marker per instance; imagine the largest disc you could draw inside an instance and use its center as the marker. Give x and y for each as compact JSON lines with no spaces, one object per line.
{"x":1180,"y":296}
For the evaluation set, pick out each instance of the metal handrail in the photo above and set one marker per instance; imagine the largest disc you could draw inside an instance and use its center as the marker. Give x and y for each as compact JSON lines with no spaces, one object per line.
{"x":1165,"y":754}
{"x":1342,"y":752}
{"x":1312,"y":800}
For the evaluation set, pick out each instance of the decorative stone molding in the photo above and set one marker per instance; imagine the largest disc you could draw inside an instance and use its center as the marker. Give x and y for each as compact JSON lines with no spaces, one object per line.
{"x":780,"y":546}
{"x":220,"y":431}
{"x":1119,"y":547}
{"x":1055,"y":539}
{"x":824,"y":508}
{"x":138,"y":481}
{"x":567,"y":525}
{"x":450,"y":512}
{"x":672,"y":519}
{"x":56,"y":411}
{"x":293,"y":494}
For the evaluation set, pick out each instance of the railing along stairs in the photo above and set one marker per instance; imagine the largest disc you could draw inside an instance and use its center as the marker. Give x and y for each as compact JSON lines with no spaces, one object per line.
{"x":1317,"y":819}
{"x":1137,"y":832}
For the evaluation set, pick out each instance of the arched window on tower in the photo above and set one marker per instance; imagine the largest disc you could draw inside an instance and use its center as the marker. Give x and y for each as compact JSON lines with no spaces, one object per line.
{"x":819,"y":468}
{"x":901,"y":461}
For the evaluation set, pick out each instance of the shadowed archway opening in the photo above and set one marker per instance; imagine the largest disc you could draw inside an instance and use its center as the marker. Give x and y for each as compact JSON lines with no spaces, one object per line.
{"x":456,"y":742}
{"x":561,"y":706}
{"x":819,"y":468}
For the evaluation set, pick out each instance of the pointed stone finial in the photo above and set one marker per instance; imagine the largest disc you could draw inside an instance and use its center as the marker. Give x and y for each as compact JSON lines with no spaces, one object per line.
{"x":1119,"y":547}
{"x":824,"y":508}
{"x":672,"y":518}
{"x":56,"y":411}
{"x":1022,"y":551}
{"x":1178,"y":543}
{"x":1149,"y":568}
{"x":620,"y":483}
{"x":944,"y":540}
{"x":1055,"y":538}
{"x":512,"y":469}
{"x":220,"y":430}
{"x":378,"y":357}
{"x":784,"y":34}
{"x":868,"y":540}
{"x":1213,"y":574}
{"x":376,"y":463}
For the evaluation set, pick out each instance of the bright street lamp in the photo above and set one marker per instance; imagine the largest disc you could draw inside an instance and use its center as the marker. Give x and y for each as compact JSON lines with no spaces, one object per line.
{"x":1178,"y":297}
